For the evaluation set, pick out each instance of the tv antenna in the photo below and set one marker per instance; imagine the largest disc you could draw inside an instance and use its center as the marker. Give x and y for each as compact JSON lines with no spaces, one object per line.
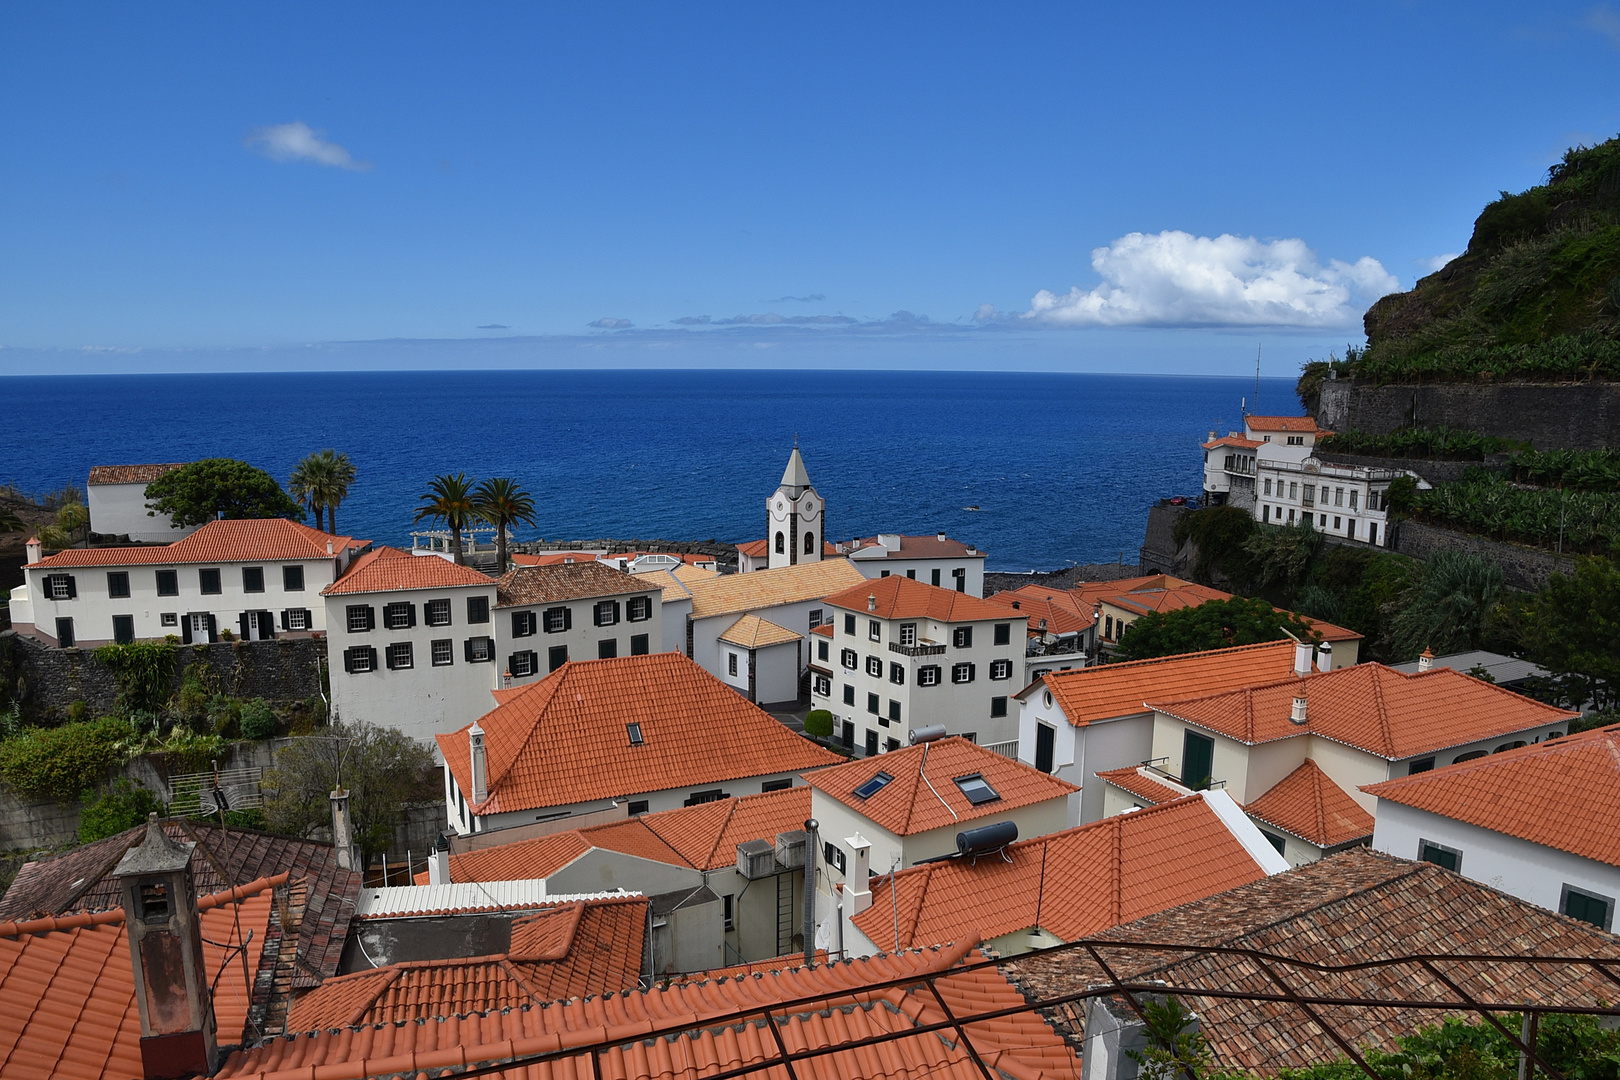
{"x":1257,"y":377}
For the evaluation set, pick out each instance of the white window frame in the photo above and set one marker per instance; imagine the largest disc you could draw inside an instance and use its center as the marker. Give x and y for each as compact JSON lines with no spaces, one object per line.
{"x":908,"y":634}
{"x":962,"y":674}
{"x":928,"y":675}
{"x":355,"y":619}
{"x":443,"y":651}
{"x":1001,"y":669}
{"x":874,"y":667}
{"x":398,"y":650}
{"x":433,"y":609}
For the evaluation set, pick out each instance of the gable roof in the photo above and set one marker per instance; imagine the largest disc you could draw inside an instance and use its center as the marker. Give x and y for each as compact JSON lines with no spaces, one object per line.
{"x":900,"y":597}
{"x":1370,"y":707}
{"x":1563,"y":794}
{"x":1088,"y":695}
{"x":1060,"y":610}
{"x":753,"y":632}
{"x":733,"y":594}
{"x":907,"y":805}
{"x":1308,"y":804}
{"x":523,"y":585}
{"x":1236,"y":441}
{"x":564,"y":739}
{"x":244,"y":540}
{"x":564,"y":951}
{"x":1170,"y":594}
{"x":225,"y":856}
{"x":1282,"y":423}
{"x":388,"y":569}
{"x":1071,"y":883}
{"x":1141,"y":784}
{"x":130,"y":474}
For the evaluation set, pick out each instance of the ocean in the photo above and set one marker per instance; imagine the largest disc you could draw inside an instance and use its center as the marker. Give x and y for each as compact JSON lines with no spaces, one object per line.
{"x":1039,"y":470}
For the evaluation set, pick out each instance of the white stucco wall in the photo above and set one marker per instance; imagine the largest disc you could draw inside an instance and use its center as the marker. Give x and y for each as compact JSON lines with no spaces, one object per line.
{"x":923,"y":570}
{"x":707,"y":648}
{"x":599,"y":870}
{"x":121,"y":510}
{"x":582,"y":638}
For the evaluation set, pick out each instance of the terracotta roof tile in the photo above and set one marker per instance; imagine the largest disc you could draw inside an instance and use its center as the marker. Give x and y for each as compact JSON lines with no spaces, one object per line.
{"x":912,"y":547}
{"x":1142,"y":784}
{"x":1071,"y":883}
{"x":1564,"y":794}
{"x":525,"y":585}
{"x":906,"y":805}
{"x":753,"y":632}
{"x":1370,"y":707}
{"x":1107,"y":691}
{"x":130,"y":474}
{"x":898,"y":597}
{"x":733,"y":594}
{"x":1237,"y":441}
{"x":388,"y":569}
{"x":760,"y":549}
{"x":1310,"y":805}
{"x":1147,"y":599}
{"x":1281,"y":423}
{"x":554,"y":558}
{"x":707,"y":835}
{"x":673,"y":587}
{"x":1060,"y":609}
{"x":251,"y":540}
{"x":565,"y":738}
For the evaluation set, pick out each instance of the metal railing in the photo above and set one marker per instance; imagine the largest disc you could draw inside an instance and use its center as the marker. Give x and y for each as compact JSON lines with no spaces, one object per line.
{"x":1008,"y":749}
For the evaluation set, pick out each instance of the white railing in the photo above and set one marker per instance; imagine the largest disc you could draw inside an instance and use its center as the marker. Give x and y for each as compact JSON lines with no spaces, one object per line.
{"x":1007,"y":749}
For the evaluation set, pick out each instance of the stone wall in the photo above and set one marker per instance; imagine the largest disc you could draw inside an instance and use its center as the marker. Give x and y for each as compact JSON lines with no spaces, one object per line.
{"x":1159,"y":550}
{"x":1523,"y":568}
{"x":47,"y":680}
{"x":1572,"y":416}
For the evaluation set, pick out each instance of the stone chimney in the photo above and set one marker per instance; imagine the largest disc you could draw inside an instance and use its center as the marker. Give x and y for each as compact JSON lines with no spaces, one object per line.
{"x":35,"y":549}
{"x":1302,"y":658}
{"x":1426,"y":661}
{"x":165,"y":949}
{"x":1297,"y":716}
{"x":343,"y":830}
{"x":857,"y":882}
{"x":1324,"y":656}
{"x":480,"y":764}
{"x":439,"y":863}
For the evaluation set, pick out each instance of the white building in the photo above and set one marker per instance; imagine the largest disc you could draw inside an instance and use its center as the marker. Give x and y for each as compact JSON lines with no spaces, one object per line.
{"x":252,"y":579}
{"x":1537,"y":822}
{"x":936,"y":560}
{"x":548,"y":615}
{"x":905,"y":654}
{"x":118,"y":506}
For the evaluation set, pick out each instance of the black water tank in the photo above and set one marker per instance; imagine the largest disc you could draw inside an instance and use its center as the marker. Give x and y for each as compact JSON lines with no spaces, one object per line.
{"x":986,"y":838}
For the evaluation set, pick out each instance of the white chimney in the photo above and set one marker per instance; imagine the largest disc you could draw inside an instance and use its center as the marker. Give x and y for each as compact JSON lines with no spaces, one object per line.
{"x":1211,"y":437}
{"x":857,"y":882}
{"x":329,"y":550}
{"x":942,"y":538}
{"x":35,"y":549}
{"x":1302,"y":658}
{"x":871,"y":602}
{"x":439,"y":863}
{"x":480,"y":766}
{"x":1426,"y":661}
{"x":1298,"y":715}
{"x":1324,"y":656}
{"x":343,"y":831}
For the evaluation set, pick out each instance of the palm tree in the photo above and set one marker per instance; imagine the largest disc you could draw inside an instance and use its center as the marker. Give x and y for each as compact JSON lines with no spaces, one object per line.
{"x":1446,"y":608}
{"x":449,"y":499}
{"x":321,"y":482}
{"x":502,"y":503}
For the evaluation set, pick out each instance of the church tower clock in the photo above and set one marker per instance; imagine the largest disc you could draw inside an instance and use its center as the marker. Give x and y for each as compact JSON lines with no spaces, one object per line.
{"x":794,"y":515}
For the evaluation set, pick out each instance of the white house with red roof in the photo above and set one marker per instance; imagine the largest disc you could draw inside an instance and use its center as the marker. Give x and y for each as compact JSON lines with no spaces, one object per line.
{"x":256,"y":579}
{"x":1538,"y":822}
{"x":117,"y":503}
{"x":905,"y":654}
{"x":548,"y":615}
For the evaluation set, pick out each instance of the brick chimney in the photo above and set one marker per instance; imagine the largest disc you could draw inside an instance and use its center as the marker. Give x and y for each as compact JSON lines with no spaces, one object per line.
{"x":343,"y":830}
{"x":480,"y":764}
{"x":165,"y":949}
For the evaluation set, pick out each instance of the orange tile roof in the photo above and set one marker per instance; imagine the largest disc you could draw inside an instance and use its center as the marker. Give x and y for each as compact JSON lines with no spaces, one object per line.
{"x":760,"y":549}
{"x":249,"y":540}
{"x":825,"y":630}
{"x":1237,"y":441}
{"x":757,"y":967}
{"x":388,"y":569}
{"x":69,"y":988}
{"x":130,"y":474}
{"x":1145,"y":600}
{"x":1134,"y":779}
{"x":577,"y":581}
{"x":906,"y":805}
{"x":733,"y":594}
{"x":554,"y":558}
{"x":707,"y":835}
{"x":564,"y":739}
{"x":1281,"y":423}
{"x":542,"y":856}
{"x":1088,"y":695}
{"x":1101,"y":874}
{"x":566,"y":951}
{"x":914,"y":547}
{"x":753,"y":632}
{"x":900,"y":597}
{"x":1310,"y":805}
{"x":699,"y":1028}
{"x":1563,"y":794}
{"x":1061,"y":609}
{"x":1370,"y":707}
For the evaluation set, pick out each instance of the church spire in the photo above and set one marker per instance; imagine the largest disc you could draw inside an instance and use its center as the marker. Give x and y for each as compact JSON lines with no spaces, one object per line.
{"x":795,"y":519}
{"x":795,"y":478}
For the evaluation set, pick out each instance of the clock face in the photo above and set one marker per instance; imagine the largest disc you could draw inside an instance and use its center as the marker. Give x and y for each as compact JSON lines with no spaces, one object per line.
{"x":810,"y":504}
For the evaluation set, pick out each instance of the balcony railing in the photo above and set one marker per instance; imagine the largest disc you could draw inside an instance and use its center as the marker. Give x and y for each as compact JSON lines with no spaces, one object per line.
{"x":917,"y":650}
{"x":1008,"y":749}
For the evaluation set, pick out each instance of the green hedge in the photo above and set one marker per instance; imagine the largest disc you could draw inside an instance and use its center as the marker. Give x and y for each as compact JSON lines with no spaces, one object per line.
{"x":1485,"y":504}
{"x":61,"y":763}
{"x":1579,"y":470}
{"x":1442,"y":443}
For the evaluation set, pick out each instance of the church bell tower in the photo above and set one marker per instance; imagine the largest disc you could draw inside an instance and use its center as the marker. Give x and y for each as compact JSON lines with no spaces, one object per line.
{"x":794,"y":518}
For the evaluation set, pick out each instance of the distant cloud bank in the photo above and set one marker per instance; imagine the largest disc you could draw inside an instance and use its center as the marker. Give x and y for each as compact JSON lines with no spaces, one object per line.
{"x":1175,"y":279}
{"x":606,"y":323}
{"x":494,"y":326}
{"x":813,"y":298}
{"x":769,"y":318}
{"x":299,"y":142}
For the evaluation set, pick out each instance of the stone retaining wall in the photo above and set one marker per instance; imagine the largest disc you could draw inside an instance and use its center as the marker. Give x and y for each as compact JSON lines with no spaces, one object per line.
{"x":1566,"y":416}
{"x":1523,"y":568}
{"x":1435,"y":472}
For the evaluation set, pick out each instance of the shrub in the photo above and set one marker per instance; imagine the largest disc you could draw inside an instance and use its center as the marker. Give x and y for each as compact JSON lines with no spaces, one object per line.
{"x":61,"y":763}
{"x":144,"y":671}
{"x":1582,"y":522}
{"x":1218,"y":624}
{"x":818,"y":722}
{"x":123,"y":806}
{"x":258,"y":720}
{"x":1219,"y":533}
{"x":1443,"y":443}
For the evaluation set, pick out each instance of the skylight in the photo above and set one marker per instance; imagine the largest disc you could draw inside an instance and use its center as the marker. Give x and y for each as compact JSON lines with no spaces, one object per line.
{"x":977,"y":789}
{"x":635,"y":734}
{"x":873,"y":786}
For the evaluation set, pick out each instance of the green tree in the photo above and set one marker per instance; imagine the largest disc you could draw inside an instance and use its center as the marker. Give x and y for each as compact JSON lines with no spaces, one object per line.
{"x":1280,"y":556}
{"x":383,"y":769}
{"x":1215,"y":625}
{"x":1572,"y":628}
{"x":450,"y":499}
{"x":818,"y":722}
{"x":218,"y":487}
{"x":123,"y":806}
{"x":1446,"y":607}
{"x":1219,"y":533}
{"x":1176,"y":1049}
{"x":70,"y":524}
{"x":503,"y":504}
{"x":62,"y":762}
{"x":320,"y":482}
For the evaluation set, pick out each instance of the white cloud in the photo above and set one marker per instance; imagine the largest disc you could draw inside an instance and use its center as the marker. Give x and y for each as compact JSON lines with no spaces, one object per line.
{"x":1437,"y":261}
{"x":1173,"y":278}
{"x":608,"y":322}
{"x":297,"y":141}
{"x":1603,"y":20}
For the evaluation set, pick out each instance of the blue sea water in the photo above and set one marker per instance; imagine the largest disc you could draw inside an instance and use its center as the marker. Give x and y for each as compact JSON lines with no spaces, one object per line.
{"x":1062,"y":467}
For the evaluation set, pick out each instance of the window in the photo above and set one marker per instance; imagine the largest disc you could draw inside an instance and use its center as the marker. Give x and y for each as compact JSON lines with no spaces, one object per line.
{"x":295,"y":619}
{"x":871,"y":742}
{"x":1440,"y":855}
{"x":358,"y":659}
{"x":928,"y":675}
{"x":444,"y":653}
{"x":961,"y":673}
{"x":607,"y":612}
{"x":897,"y":673}
{"x":781,"y":544}
{"x":558,"y":619}
{"x":64,"y":633}
{"x":849,"y":694}
{"x":523,"y":623}
{"x":1296,"y":440}
{"x":1003,"y":633}
{"x":208,"y":582}
{"x":1265,"y":513}
{"x":961,"y":579}
{"x":292,"y":578}
{"x":399,"y":615}
{"x":123,"y":629}
{"x":1045,"y":744}
{"x":823,"y":650}
{"x":731,"y":663}
{"x":1276,"y":841}
{"x":934,"y":578}
{"x":520,"y":664}
{"x":890,"y":745}
{"x":1420,"y":765}
{"x":912,"y":574}
{"x":1338,"y":496}
{"x":634,"y":731}
{"x":977,"y":789}
{"x":823,"y":686}
{"x":1293,"y":489}
{"x":638,"y":644}
{"x":436,"y":613}
{"x":874,"y":630}
{"x":698,"y":798}
{"x":1268,"y":485}
{"x":834,"y":855}
{"x":1197,"y":760}
{"x":815,"y":618}
{"x":169,"y":618}
{"x":998,"y":706}
{"x":1001,"y":669}
{"x":784,"y":784}
{"x":1310,"y":495}
{"x":607,"y":648}
{"x":479,"y":650}
{"x":478,"y":609}
{"x":118,"y":583}
{"x":168,"y":582}
{"x":638,"y":608}
{"x":1587,"y":907}
{"x":556,"y":657}
{"x":874,"y":667}
{"x":908,"y":634}
{"x":809,"y":543}
{"x":1338,"y":522}
{"x":873,"y":704}
{"x":848,"y":658}
{"x":359,"y":618}
{"x":873,"y":786}
{"x":894,"y":711}
{"x":962,"y":637}
{"x":638,"y":806}
{"x":727,"y":912}
{"x":59,"y":587}
{"x":399,"y":656}
{"x":253,"y":579}
{"x":849,"y":625}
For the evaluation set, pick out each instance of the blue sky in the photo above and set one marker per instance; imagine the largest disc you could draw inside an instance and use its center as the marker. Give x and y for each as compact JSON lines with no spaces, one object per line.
{"x":1085,"y":187}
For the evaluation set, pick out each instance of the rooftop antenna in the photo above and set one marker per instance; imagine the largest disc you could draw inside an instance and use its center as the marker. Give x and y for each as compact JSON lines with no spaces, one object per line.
{"x":1257,"y":377}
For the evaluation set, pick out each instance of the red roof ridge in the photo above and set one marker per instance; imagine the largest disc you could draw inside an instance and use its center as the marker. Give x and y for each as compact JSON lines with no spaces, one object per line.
{"x":50,"y":923}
